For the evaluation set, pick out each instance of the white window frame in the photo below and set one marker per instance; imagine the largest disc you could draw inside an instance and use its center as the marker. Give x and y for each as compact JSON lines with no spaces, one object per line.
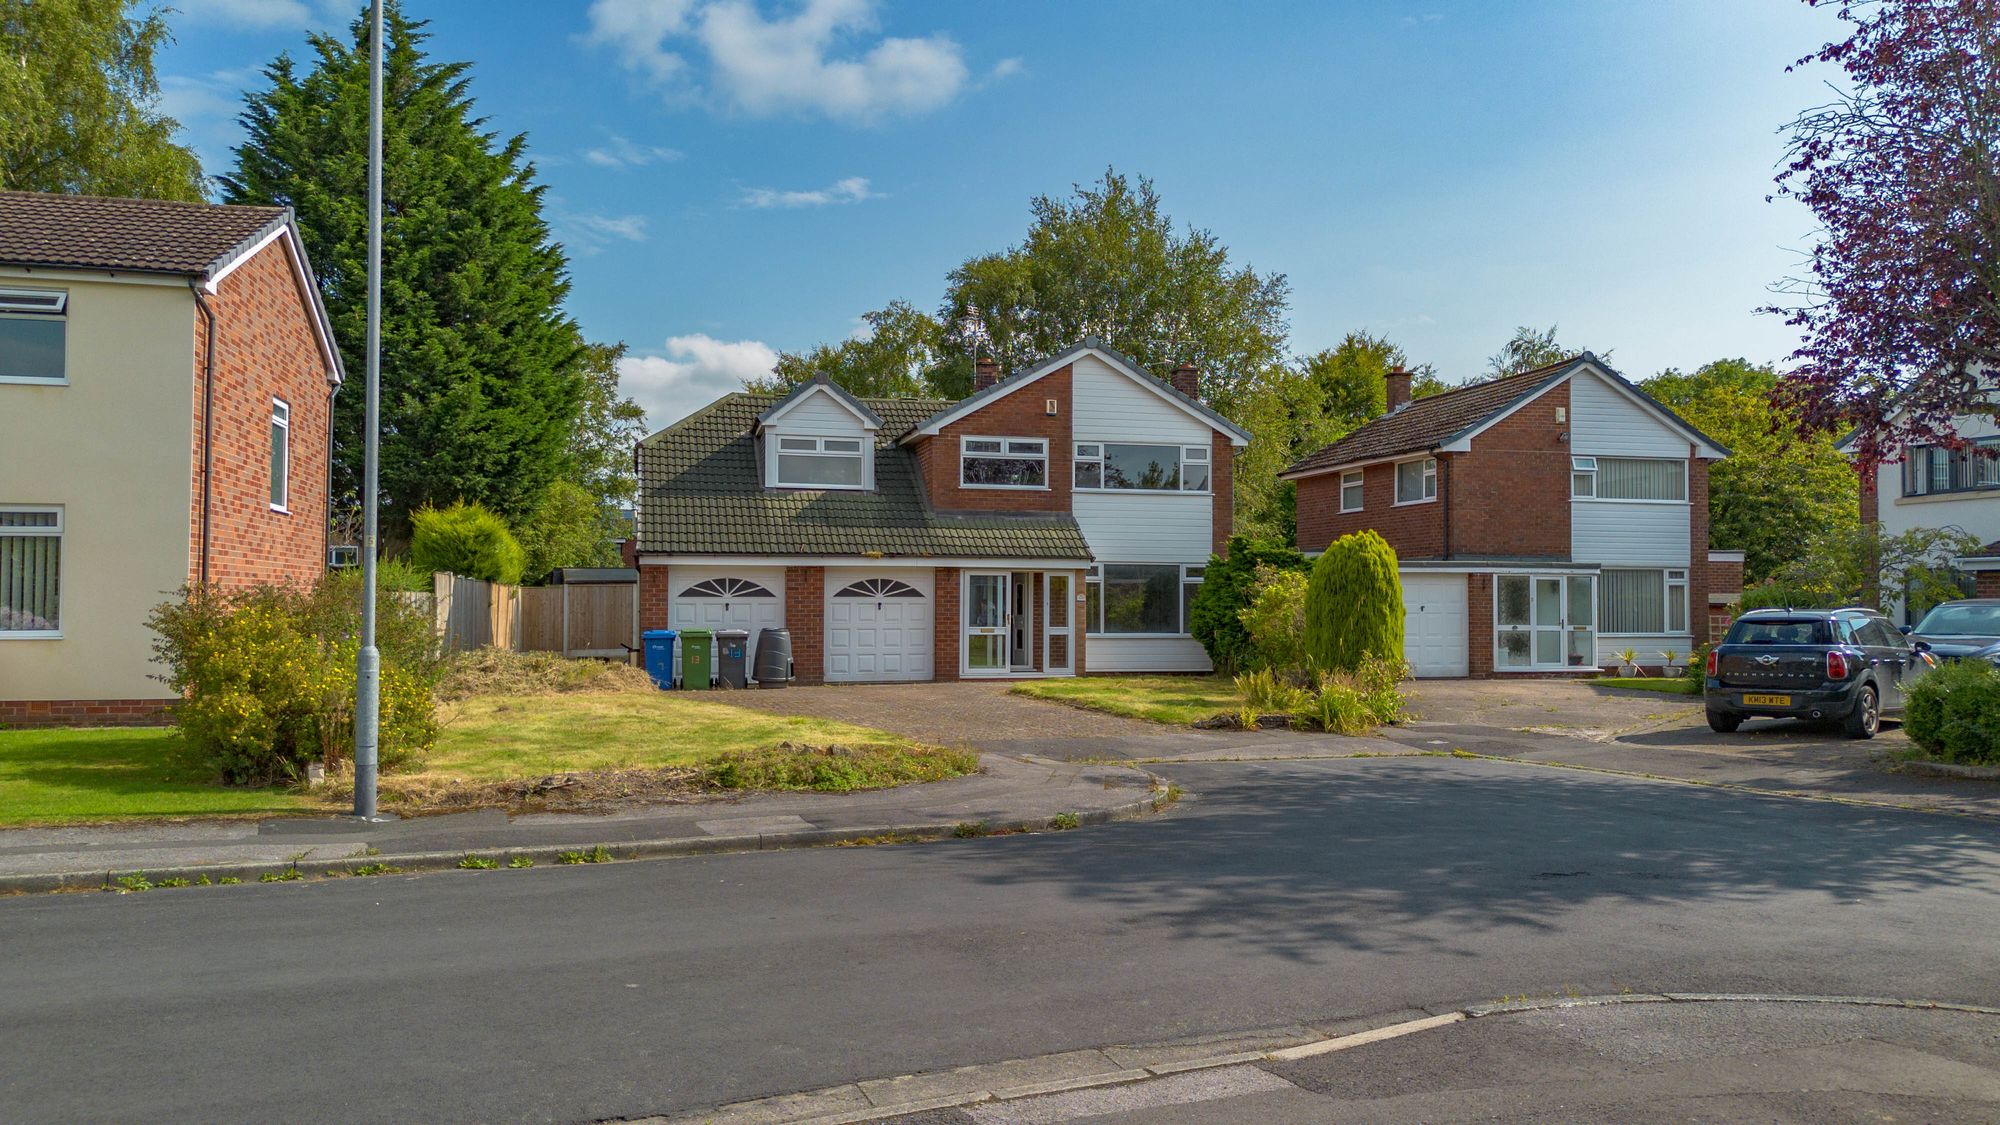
{"x":1671,"y":578}
{"x":1353,"y":478}
{"x":60,"y":533}
{"x":818,"y":448}
{"x":1595,"y":460}
{"x":1198,"y":454}
{"x":1564,"y":628}
{"x":21,"y":304}
{"x":1093,"y":602}
{"x":1429,"y":479}
{"x":1580,"y":470}
{"x":281,"y":422}
{"x":1006,"y":453}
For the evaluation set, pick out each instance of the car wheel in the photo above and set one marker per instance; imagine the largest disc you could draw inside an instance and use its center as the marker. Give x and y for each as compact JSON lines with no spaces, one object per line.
{"x":1724,"y":723}
{"x":1866,"y":718}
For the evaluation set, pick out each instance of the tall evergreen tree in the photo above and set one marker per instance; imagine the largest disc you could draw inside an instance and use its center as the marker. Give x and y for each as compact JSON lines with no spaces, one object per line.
{"x":79,"y":102}
{"x":482,"y":373}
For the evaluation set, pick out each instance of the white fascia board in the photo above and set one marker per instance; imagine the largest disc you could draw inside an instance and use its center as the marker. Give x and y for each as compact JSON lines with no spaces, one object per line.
{"x":1350,"y":466}
{"x":1237,"y":438}
{"x":818,"y":389}
{"x":295,"y":256}
{"x":215,"y":276}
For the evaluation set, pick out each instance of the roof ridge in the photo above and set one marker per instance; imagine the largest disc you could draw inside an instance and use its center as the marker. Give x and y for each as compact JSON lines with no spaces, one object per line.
{"x":68,"y":197}
{"x":1473,"y":385}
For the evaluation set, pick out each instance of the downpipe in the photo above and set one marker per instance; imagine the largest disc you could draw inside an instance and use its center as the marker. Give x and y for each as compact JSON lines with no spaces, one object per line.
{"x":207,"y":430}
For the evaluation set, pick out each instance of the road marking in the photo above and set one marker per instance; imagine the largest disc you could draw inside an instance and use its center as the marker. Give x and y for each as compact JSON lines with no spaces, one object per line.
{"x":1180,"y":1089}
{"x":1363,"y":1038}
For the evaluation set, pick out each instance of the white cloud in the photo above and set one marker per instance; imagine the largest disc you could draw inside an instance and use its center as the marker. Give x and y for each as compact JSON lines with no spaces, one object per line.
{"x":267,"y":13}
{"x":817,"y":59}
{"x":853,"y":189}
{"x":620,"y":153}
{"x":1005,"y":68}
{"x":695,"y":371}
{"x":589,"y":232}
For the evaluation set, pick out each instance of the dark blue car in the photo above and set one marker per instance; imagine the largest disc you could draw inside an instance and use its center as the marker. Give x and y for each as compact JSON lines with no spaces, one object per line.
{"x":1845,"y":666}
{"x":1962,"y":630}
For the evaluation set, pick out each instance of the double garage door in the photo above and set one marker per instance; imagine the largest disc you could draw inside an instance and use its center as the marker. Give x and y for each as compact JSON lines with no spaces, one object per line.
{"x":878,"y":622}
{"x":1434,"y":624}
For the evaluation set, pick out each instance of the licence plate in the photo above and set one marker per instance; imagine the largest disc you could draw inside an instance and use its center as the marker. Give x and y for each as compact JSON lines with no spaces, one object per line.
{"x":1767,"y":700}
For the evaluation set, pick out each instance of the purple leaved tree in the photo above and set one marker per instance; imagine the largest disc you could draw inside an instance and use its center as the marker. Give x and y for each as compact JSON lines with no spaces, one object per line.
{"x":1899,"y":306}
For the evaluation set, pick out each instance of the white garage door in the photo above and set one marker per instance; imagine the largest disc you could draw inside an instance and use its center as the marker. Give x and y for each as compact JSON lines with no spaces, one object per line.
{"x":751,"y":599}
{"x":878,"y":625}
{"x":1434,"y":624}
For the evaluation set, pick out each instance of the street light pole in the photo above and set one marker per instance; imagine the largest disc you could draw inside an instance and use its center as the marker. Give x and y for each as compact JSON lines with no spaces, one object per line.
{"x":368,"y":665}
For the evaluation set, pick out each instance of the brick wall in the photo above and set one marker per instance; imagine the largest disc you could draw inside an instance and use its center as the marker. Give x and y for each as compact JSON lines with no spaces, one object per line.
{"x":1416,"y":531}
{"x":83,"y":712}
{"x":265,"y":349}
{"x":944,"y":623}
{"x":1509,"y":495}
{"x":653,"y":598}
{"x":805,"y":616}
{"x":1223,"y":482}
{"x":1479,"y":624}
{"x":1020,"y":414}
{"x":1987,"y":584}
{"x":1701,"y":578}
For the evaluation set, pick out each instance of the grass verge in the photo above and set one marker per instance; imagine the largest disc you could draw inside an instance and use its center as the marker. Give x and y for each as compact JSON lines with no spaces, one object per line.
{"x":1175,"y":700}
{"x":82,"y":776}
{"x":1665,"y":685}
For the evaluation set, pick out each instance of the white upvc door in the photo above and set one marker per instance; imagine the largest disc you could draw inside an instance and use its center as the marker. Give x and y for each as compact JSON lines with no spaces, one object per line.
{"x":1544,"y":622}
{"x":988,"y":614}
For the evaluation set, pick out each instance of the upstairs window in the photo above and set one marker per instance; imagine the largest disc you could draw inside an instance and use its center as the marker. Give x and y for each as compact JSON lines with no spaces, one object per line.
{"x":992,"y":462}
{"x":1142,"y":468}
{"x":1351,"y":491}
{"x":820,"y":462}
{"x":33,"y":328}
{"x":1417,"y":481}
{"x":281,"y":455}
{"x":30,"y":572}
{"x":1628,"y":478}
{"x":1931,"y":469}
{"x":1583,"y":477}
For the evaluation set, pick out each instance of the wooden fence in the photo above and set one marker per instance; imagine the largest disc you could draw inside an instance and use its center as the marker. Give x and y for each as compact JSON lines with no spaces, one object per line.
{"x":575,"y":620}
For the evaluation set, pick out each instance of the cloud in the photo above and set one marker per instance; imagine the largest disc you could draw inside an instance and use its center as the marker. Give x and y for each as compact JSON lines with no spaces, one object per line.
{"x":620,"y":153}
{"x":695,"y":371}
{"x":267,"y":13}
{"x":853,"y":189}
{"x":589,"y":232}
{"x":1005,"y":68}
{"x":816,"y":60}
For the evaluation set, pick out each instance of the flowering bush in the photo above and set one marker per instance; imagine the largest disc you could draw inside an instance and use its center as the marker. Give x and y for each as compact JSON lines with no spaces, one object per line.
{"x":267,"y":676}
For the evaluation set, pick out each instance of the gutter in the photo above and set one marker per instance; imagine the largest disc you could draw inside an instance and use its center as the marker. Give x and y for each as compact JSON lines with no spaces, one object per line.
{"x":207,"y":426}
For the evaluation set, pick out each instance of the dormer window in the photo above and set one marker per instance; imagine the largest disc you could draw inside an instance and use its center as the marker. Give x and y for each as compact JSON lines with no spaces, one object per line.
{"x":1003,"y":462}
{"x":820,"y":462}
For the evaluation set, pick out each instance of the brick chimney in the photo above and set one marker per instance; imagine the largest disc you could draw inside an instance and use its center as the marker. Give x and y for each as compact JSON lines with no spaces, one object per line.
{"x":1398,"y":381}
{"x":985,"y":373}
{"x":1187,"y":381}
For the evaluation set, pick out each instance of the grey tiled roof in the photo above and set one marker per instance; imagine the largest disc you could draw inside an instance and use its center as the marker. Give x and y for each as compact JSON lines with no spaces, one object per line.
{"x":141,"y":235}
{"x":1433,"y":420}
{"x":700,"y":494}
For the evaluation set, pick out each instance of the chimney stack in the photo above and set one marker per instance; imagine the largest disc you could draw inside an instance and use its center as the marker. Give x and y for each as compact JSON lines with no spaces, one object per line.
{"x":1187,"y":381}
{"x":985,"y":373}
{"x":1398,"y":381}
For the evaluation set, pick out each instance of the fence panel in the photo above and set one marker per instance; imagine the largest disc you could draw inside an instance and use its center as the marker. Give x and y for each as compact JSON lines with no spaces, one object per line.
{"x":541,"y":619}
{"x":600,"y":621}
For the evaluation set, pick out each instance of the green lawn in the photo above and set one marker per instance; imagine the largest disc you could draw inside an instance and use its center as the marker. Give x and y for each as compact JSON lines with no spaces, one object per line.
{"x":91,"y":775}
{"x":1176,"y":700}
{"x":1670,"y":685}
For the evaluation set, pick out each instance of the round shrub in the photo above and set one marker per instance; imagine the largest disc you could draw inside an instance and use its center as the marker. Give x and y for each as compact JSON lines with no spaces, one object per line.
{"x":1215,"y":614}
{"x":468,"y":540}
{"x":1953,"y":713}
{"x":1354,"y":604}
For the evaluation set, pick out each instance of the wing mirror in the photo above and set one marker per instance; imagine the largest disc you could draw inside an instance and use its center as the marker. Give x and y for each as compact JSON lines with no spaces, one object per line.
{"x":1906,"y":630}
{"x":1922,"y":646}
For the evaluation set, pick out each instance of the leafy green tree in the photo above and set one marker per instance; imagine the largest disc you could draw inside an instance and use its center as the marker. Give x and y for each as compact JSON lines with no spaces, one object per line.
{"x":570,"y":527}
{"x":1354,"y":604}
{"x":467,"y":540}
{"x":608,"y":426}
{"x":904,"y":355}
{"x":1215,"y":617}
{"x":481,"y":371}
{"x":79,"y":102}
{"x":1776,"y":491}
{"x":1861,"y":566}
{"x":1528,"y":349}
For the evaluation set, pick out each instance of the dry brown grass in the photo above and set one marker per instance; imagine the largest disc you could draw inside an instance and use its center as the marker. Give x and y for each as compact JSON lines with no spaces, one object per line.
{"x":580,"y":791}
{"x":493,"y":671}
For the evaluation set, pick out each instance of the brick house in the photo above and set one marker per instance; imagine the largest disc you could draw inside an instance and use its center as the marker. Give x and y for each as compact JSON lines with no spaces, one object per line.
{"x":166,"y":382}
{"x":1543,"y":521}
{"x":1055,"y":520}
{"x":1952,"y":485}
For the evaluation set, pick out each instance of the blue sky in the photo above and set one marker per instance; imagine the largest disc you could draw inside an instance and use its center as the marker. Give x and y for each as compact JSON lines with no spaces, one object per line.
{"x":738,"y":176}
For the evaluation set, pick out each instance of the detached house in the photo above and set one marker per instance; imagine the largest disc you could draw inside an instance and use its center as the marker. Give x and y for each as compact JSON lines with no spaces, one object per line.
{"x":1543,"y":521}
{"x":166,"y":378}
{"x":1952,"y":485}
{"x":1055,"y":521}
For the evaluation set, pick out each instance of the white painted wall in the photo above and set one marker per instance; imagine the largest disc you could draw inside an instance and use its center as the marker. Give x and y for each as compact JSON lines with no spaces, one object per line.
{"x":1647,"y":648}
{"x":1144,"y":654}
{"x":1109,"y":406}
{"x":1604,"y":422}
{"x":1146,"y":526}
{"x":115,"y":449}
{"x":1977,"y":513}
{"x":819,"y":415}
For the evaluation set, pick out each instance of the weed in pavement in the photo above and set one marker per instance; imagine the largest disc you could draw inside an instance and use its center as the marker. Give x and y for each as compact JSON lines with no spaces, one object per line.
{"x":969,"y":829}
{"x":136,"y":881}
{"x":477,"y":863}
{"x":520,"y":861}
{"x":1063,"y":822}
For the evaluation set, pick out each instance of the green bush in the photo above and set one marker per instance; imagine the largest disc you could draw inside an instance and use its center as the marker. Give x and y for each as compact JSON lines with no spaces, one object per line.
{"x":467,"y":540}
{"x":266,"y":677}
{"x":1354,"y":604}
{"x":1215,"y":616}
{"x":1695,"y":673}
{"x":1953,"y":713}
{"x":1275,"y":619}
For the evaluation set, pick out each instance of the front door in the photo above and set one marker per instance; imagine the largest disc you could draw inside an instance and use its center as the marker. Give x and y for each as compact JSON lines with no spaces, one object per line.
{"x":1021,"y":635}
{"x":1544,"y":621}
{"x":987,"y":613}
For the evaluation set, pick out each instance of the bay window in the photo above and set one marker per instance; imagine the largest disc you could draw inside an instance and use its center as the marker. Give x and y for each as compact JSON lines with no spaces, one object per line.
{"x":1146,"y":468}
{"x":1643,"y":602}
{"x":820,"y":462}
{"x":994,"y":462}
{"x":30,"y":572}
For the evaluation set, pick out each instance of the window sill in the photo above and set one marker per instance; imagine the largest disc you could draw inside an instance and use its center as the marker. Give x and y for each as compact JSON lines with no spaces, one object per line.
{"x":25,"y":381}
{"x":1615,"y":500}
{"x":24,"y":635}
{"x":1139,"y":636}
{"x":1958,"y":494}
{"x":1352,"y":511}
{"x":1144,"y":491}
{"x":1007,"y":487}
{"x":1414,"y":503}
{"x":281,"y":509}
{"x":820,"y":487}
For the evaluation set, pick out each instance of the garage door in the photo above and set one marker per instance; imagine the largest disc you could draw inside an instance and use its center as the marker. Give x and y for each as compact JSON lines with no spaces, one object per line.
{"x":1434,"y":624}
{"x":750,"y":599}
{"x":878,"y":625}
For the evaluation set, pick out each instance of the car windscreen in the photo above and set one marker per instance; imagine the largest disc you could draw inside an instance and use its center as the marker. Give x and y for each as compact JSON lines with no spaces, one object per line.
{"x":1779,"y":631}
{"x":1961,"y":621}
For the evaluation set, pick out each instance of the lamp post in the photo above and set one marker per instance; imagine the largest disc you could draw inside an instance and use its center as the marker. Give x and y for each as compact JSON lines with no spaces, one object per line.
{"x":368,"y":665}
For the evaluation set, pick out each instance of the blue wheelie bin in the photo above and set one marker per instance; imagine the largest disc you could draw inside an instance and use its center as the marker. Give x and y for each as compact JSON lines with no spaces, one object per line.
{"x":659,"y":648}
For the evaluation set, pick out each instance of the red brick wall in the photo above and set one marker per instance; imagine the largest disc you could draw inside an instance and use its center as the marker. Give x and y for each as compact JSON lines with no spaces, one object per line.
{"x":1020,"y":414}
{"x":944,"y":623}
{"x":1987,"y":584}
{"x":265,"y":349}
{"x":83,"y":712}
{"x":1509,"y":495}
{"x":1479,"y":624}
{"x":653,"y":598}
{"x":1700,"y":577}
{"x":1871,"y":499}
{"x":1223,"y":482}
{"x":805,"y":616}
{"x":1416,"y":531}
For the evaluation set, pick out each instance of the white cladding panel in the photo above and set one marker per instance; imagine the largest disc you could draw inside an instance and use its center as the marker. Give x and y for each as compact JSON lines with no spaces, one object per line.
{"x":1144,"y":654}
{"x":751,"y":614}
{"x":1146,"y":526}
{"x":820,"y":416}
{"x":1434,"y":624}
{"x":878,"y":638}
{"x":1606,"y":422}
{"x":1638,"y":534}
{"x":1651,"y":650}
{"x":1108,"y":406}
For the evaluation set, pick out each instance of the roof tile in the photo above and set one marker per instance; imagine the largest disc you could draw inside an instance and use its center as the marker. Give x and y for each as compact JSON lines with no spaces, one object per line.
{"x":141,"y":235}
